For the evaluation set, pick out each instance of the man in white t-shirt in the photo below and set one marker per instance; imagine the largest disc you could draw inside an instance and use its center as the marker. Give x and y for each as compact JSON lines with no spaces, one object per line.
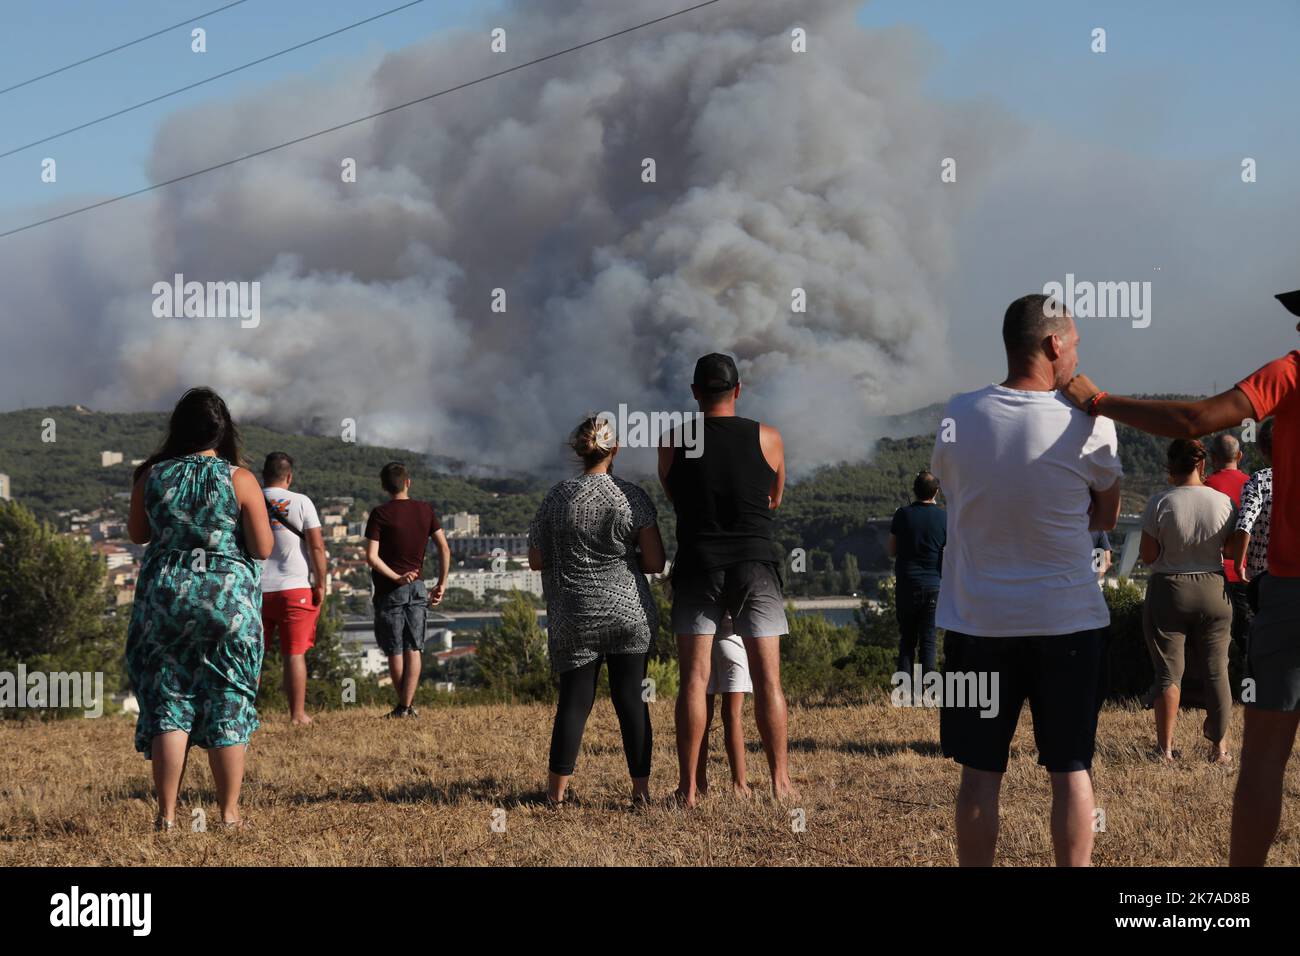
{"x":293,"y":578}
{"x":1027,"y":477}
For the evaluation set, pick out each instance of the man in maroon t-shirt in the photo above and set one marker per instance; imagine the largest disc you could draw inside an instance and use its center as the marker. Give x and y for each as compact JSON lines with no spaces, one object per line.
{"x":397,"y":533}
{"x":1228,"y":478}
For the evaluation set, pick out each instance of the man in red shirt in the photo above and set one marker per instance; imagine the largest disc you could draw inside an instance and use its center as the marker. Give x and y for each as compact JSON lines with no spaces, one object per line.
{"x":1228,"y":478}
{"x":397,"y":534}
{"x":1273,"y":655}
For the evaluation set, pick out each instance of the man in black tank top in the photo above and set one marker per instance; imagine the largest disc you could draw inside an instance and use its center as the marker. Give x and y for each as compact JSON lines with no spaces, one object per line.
{"x":726,"y":563}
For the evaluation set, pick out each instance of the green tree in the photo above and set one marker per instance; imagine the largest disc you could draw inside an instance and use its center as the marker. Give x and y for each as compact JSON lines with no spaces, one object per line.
{"x":852,"y":576}
{"x":808,"y":659}
{"x":325,"y":661}
{"x":665,"y":645}
{"x":512,"y":655}
{"x":56,"y":609}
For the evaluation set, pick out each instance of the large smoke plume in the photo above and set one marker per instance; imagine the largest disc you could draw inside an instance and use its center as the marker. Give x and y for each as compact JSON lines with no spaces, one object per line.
{"x":776,"y":170}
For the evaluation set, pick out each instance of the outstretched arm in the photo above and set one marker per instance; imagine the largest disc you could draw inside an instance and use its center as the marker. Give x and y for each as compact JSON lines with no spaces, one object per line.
{"x":1171,"y":419}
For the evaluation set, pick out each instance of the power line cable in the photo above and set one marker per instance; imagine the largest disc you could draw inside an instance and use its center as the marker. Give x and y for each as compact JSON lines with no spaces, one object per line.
{"x":216,"y":76}
{"x":354,"y":122}
{"x":121,"y":46}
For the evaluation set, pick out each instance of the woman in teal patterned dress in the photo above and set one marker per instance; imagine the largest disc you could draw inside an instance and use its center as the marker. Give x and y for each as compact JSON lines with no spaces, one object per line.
{"x":194,"y":647}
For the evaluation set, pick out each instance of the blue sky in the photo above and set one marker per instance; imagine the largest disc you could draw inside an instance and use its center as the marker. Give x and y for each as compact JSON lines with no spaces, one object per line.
{"x":40,"y":35}
{"x":1210,"y":74}
{"x":1216,"y":72}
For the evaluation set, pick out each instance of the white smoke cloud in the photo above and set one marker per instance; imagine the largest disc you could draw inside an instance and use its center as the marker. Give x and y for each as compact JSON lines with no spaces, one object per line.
{"x":776,"y":170}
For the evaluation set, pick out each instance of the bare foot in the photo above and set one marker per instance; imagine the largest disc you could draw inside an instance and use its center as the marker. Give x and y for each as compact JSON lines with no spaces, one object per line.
{"x":684,"y":801}
{"x":741,"y":789}
{"x":1220,"y":757}
{"x":784,"y":791}
{"x":302,"y":720}
{"x":1164,"y":756}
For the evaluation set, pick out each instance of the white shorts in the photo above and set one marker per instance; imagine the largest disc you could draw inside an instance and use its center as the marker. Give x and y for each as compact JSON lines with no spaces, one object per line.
{"x":730,"y":670}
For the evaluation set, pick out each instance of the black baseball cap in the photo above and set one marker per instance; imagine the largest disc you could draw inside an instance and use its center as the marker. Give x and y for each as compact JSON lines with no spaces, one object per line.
{"x":1291,"y":300}
{"x":715,"y":373}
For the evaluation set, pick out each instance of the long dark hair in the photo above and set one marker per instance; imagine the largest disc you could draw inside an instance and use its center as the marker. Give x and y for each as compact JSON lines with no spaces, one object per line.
{"x":200,"y":421}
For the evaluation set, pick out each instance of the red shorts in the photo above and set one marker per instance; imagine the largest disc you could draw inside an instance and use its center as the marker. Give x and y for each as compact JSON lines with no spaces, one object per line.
{"x":292,"y":613}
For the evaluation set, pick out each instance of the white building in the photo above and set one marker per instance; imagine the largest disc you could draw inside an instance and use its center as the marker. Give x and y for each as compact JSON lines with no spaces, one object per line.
{"x":462,"y":522}
{"x":488,"y":545}
{"x":480,"y":582}
{"x":360,"y":647}
{"x":4,"y":487}
{"x":107,"y":458}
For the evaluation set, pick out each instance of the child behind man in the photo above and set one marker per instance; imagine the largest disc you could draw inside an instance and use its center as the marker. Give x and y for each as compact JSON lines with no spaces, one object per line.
{"x":730,"y":678}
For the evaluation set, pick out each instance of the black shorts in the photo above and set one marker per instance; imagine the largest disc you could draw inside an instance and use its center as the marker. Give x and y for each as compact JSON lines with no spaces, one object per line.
{"x":1063,"y":678}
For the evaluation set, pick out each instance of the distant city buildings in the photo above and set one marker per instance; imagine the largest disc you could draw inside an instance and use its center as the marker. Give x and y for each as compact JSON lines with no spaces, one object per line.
{"x":462,"y":522}
{"x":510,"y":545}
{"x":479,"y":582}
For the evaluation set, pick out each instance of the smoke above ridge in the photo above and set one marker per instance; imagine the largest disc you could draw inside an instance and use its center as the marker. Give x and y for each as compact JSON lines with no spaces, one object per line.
{"x":776,"y":170}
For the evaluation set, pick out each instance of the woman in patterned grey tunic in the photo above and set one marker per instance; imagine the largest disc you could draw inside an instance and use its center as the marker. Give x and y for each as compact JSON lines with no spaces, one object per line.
{"x":594,"y":539}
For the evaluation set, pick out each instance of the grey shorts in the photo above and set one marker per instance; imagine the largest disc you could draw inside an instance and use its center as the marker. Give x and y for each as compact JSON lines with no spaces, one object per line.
{"x":400,"y":619}
{"x":1273,"y":651}
{"x":750,"y":592}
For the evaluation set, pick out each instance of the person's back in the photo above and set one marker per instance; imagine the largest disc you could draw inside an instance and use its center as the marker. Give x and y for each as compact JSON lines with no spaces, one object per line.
{"x":403,"y":527}
{"x":587,"y":530}
{"x":1026,"y":476}
{"x":1191,"y":523}
{"x":397,"y":534}
{"x":721,"y":497}
{"x":921,"y":532}
{"x":727,"y":563}
{"x":1227,"y":477}
{"x":1017,"y":481}
{"x":917,"y":536}
{"x":1229,"y":481}
{"x":191,"y":505}
{"x":288,"y":567}
{"x":1254,"y":519}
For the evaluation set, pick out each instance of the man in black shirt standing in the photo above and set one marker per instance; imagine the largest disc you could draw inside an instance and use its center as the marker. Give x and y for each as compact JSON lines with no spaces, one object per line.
{"x":917,"y":536}
{"x":726,"y":562}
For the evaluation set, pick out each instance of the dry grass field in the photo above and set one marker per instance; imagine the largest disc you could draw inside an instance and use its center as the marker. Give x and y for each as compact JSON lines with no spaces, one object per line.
{"x":355,"y":790}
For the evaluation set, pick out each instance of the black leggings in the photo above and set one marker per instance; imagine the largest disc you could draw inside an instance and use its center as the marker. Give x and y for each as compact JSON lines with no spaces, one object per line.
{"x":578,"y":693}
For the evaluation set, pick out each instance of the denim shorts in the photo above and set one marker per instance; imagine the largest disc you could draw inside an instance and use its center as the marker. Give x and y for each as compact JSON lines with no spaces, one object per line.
{"x":400,"y":617}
